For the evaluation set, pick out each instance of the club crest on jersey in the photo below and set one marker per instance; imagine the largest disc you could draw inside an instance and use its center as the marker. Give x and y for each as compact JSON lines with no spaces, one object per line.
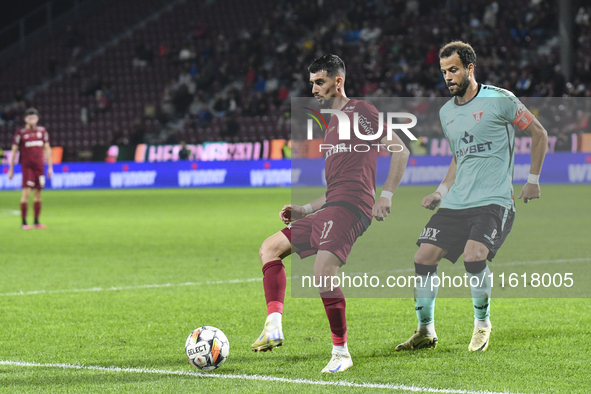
{"x":477,"y":116}
{"x":38,"y":134}
{"x":26,"y":136}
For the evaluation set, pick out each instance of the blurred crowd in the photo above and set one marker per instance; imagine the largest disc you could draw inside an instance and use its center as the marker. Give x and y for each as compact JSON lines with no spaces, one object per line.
{"x":390,"y":49}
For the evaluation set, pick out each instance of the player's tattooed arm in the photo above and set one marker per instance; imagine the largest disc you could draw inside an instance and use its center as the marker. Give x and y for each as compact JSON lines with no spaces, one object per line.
{"x":531,"y":190}
{"x":432,"y":200}
{"x":291,"y":212}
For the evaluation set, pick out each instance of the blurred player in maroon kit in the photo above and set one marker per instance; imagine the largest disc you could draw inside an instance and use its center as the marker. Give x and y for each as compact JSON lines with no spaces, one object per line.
{"x":329,"y":225}
{"x":33,"y":142}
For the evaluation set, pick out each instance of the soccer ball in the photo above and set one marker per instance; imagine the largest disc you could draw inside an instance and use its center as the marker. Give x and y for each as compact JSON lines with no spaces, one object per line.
{"x":207,"y":348}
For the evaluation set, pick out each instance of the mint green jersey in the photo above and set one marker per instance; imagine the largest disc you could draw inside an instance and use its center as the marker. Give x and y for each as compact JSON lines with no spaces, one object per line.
{"x":481,"y":136}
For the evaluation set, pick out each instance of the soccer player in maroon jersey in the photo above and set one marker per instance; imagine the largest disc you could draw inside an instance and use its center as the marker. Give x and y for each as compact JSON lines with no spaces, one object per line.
{"x":32,"y":141}
{"x":329,"y":225}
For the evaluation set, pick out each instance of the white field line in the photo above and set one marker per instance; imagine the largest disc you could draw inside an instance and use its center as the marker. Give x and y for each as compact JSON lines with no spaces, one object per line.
{"x":231,"y":281}
{"x":341,"y":383}
{"x":9,"y":212}
{"x":150,"y":286}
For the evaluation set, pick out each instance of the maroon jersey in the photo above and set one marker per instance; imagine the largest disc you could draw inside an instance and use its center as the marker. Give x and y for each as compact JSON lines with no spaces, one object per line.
{"x":30,"y":144}
{"x":350,"y":168}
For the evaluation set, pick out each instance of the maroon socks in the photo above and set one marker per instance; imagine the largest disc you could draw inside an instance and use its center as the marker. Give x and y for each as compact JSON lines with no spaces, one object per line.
{"x":274,"y":282}
{"x":334,"y":305}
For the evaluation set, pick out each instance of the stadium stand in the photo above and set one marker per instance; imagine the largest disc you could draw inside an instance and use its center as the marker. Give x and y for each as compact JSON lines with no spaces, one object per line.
{"x":156,"y":71}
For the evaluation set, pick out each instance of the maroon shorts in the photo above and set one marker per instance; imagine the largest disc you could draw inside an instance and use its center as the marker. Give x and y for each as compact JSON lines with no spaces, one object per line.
{"x":33,"y":177}
{"x":334,"y":229}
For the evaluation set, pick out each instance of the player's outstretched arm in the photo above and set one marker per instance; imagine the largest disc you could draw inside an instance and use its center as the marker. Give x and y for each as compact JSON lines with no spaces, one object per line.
{"x":49,"y":158}
{"x":11,"y":162}
{"x":291,"y":212}
{"x":432,"y":200}
{"x":539,"y":144}
{"x":400,"y":155}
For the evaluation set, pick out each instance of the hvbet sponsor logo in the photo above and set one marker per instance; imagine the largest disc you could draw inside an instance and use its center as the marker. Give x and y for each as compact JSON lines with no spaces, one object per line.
{"x":274,"y":177}
{"x":133,"y":179}
{"x":201,"y":177}
{"x":467,"y":138}
{"x":13,"y":183}
{"x":474,"y":148}
{"x":362,"y":128}
{"x":68,"y":180}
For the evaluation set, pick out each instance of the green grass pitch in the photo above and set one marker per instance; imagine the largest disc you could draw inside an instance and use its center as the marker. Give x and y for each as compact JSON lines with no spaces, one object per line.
{"x":103,"y":300}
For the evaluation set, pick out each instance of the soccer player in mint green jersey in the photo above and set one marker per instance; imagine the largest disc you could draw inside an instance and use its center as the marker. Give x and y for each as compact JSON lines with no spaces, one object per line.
{"x":476,"y":196}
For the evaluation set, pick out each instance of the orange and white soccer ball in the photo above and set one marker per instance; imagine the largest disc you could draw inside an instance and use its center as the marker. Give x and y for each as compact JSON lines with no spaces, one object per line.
{"x":207,"y":348}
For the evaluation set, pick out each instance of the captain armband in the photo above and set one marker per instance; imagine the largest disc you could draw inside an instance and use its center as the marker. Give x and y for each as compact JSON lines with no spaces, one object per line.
{"x":523,"y":118}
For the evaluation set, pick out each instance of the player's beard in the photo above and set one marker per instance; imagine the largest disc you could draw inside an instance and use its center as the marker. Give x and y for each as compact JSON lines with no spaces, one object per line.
{"x":462,"y":86}
{"x":326,"y":102}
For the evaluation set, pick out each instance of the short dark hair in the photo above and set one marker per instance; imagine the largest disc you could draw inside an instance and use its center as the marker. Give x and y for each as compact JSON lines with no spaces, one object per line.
{"x":332,"y":64}
{"x":31,"y":111}
{"x":464,"y":51}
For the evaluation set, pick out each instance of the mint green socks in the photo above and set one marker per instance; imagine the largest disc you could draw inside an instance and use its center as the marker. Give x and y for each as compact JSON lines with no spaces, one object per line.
{"x":480,"y":286}
{"x":425,"y":293}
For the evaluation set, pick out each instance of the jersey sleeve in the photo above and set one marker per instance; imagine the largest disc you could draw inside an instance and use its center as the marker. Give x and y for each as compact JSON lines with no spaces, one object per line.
{"x":443,"y":121}
{"x":45,"y":136}
{"x":513,"y":111}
